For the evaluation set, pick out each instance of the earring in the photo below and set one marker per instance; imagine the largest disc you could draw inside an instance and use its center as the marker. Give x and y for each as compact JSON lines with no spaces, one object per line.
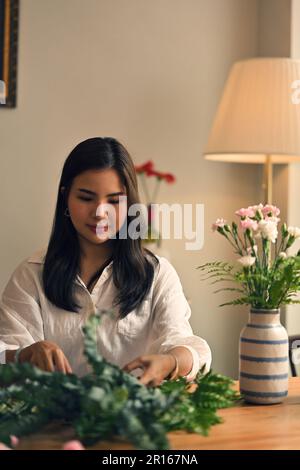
{"x":67,"y":213}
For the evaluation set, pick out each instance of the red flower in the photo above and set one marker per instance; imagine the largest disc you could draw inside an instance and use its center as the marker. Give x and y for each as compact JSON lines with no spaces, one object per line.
{"x":158,"y":174}
{"x":148,"y":166}
{"x":148,"y":170}
{"x":169,"y":178}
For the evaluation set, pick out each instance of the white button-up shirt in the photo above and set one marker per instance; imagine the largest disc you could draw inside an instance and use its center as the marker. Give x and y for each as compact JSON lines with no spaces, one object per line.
{"x":160,"y":323}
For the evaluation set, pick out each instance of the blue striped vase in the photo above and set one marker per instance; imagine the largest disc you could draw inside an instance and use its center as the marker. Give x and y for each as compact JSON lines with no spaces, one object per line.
{"x":264,"y":362}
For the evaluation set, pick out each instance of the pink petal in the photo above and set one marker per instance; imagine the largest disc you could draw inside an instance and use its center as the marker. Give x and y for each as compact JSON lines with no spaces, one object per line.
{"x":14,"y":440}
{"x":73,"y":445}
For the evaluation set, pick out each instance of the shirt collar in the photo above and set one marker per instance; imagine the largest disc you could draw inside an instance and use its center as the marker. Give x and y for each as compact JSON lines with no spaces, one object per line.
{"x":104,"y":275}
{"x":38,"y":257}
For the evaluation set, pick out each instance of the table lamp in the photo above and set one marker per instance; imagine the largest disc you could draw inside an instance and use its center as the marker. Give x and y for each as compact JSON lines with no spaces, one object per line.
{"x":258,"y":117}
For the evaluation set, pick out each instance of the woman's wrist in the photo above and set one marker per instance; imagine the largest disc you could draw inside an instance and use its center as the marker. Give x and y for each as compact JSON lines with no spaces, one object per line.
{"x":17,"y":355}
{"x":13,"y":355}
{"x":184,"y":358}
{"x":173,"y":375}
{"x":10,"y":355}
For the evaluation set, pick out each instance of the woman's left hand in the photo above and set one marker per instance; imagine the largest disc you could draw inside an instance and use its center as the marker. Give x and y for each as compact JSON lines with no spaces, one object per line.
{"x":156,"y":368}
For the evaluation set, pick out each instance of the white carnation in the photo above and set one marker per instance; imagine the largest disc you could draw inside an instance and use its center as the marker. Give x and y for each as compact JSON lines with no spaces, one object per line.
{"x":294,"y":232}
{"x":268,"y":229}
{"x":247,"y":261}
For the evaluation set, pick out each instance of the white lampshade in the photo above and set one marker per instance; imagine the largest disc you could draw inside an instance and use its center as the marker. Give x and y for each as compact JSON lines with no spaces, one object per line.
{"x":256,"y":116}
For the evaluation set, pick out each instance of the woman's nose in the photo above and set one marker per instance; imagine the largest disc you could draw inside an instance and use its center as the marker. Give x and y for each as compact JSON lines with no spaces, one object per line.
{"x":102,"y":210}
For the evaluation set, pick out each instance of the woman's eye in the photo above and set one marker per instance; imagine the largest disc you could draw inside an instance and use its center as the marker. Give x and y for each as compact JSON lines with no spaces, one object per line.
{"x":85,"y":199}
{"x":90,"y":199}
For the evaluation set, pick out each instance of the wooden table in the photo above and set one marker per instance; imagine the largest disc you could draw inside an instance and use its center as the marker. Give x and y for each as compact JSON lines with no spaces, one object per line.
{"x":245,"y":427}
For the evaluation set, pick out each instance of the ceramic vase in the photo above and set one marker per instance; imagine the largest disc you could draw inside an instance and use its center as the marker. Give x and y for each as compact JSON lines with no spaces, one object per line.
{"x":263,"y":363}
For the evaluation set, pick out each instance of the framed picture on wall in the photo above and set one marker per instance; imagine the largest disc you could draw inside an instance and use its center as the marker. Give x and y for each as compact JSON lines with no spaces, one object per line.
{"x":9,"y":13}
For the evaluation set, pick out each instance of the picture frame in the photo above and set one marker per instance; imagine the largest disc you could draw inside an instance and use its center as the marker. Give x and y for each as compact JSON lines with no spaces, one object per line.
{"x":9,"y":19}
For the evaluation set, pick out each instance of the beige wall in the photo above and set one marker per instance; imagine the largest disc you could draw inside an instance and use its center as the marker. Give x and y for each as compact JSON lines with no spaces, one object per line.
{"x":295,"y":29}
{"x":150,"y":74}
{"x":292,"y":182}
{"x":274,"y":20}
{"x":281,"y":21}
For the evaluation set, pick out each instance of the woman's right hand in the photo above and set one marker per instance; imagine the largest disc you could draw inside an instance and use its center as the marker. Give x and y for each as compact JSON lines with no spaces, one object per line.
{"x":47,"y":356}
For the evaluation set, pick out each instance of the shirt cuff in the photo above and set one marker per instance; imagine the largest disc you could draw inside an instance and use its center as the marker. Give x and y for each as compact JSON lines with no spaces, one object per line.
{"x":3,"y":353}
{"x":196,"y":363}
{"x":3,"y":357}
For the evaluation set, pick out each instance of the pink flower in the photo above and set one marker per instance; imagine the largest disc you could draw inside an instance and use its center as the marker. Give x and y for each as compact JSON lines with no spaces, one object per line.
{"x":269,"y":209}
{"x":73,"y":445}
{"x":219,"y":223}
{"x":249,"y":223}
{"x":70,"y":445}
{"x":258,"y":207}
{"x":14,"y":441}
{"x":249,"y":212}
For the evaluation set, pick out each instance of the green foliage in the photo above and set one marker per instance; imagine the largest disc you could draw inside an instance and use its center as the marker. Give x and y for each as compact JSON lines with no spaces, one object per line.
{"x":108,"y":402}
{"x":196,"y":412}
{"x":267,"y":289}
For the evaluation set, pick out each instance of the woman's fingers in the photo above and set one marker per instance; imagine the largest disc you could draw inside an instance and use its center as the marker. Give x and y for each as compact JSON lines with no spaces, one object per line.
{"x":133,"y":365}
{"x":43,"y":360}
{"x":59,"y":361}
{"x":52,"y":361}
{"x":146,"y":379}
{"x":150,"y":376}
{"x":150,"y":379}
{"x":47,"y":356}
{"x":68,"y":367}
{"x":48,"y":361}
{"x":40,"y":362}
{"x":37,"y":362}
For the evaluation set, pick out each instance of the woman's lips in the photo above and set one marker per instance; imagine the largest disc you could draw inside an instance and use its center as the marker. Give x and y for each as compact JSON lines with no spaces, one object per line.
{"x":100,"y":229}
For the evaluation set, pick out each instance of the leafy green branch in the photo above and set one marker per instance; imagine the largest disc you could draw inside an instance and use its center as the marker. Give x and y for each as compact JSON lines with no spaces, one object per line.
{"x":108,"y":402}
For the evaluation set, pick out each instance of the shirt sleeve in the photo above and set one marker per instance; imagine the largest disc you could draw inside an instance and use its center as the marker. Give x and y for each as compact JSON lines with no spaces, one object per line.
{"x":20,"y":314}
{"x":171,"y":327}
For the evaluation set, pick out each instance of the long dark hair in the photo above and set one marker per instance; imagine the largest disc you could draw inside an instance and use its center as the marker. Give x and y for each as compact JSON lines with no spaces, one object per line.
{"x":133,"y":267}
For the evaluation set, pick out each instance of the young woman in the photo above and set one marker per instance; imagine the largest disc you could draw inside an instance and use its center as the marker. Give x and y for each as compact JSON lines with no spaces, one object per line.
{"x":88,"y":267}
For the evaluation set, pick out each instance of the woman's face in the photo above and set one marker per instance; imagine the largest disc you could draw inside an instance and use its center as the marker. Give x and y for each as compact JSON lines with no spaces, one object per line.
{"x":97,"y":204}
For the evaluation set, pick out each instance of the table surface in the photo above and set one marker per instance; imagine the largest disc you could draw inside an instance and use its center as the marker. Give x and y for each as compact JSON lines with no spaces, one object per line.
{"x":244,"y":426}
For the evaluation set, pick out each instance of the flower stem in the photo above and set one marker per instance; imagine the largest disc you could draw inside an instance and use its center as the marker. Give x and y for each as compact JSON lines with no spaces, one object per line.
{"x":234,"y":244}
{"x":145,"y":189}
{"x":155,"y":192}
